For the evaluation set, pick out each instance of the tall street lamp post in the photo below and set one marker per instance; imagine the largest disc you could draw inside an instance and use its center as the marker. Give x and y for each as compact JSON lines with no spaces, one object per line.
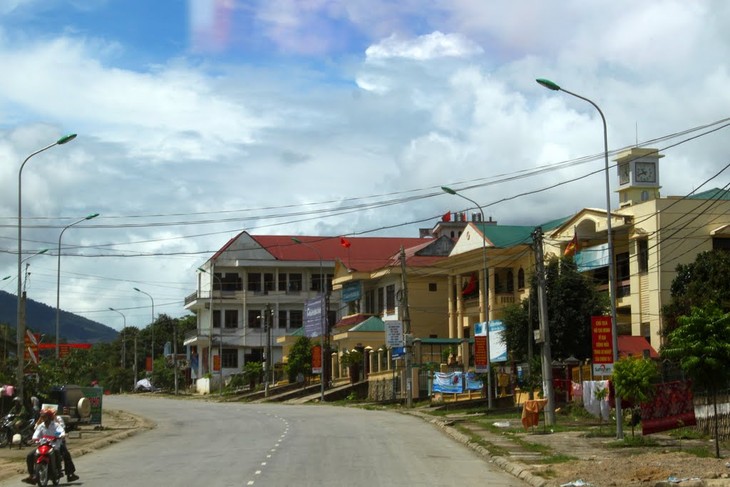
{"x":124,"y":345}
{"x":152,"y":327}
{"x":611,"y":270}
{"x":58,"y":282}
{"x":485,"y":303}
{"x":19,"y":317}
{"x":323,"y":317}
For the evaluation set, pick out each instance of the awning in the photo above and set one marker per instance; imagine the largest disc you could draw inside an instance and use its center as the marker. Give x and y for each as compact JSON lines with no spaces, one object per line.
{"x":635,"y":346}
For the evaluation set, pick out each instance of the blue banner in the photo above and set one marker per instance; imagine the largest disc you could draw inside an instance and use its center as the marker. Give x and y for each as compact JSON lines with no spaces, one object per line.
{"x":450,"y":383}
{"x":351,"y":291}
{"x":314,"y":313}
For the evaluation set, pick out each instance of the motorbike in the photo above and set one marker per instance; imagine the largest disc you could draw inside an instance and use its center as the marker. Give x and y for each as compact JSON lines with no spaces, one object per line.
{"x":7,"y":431}
{"x":48,"y":462}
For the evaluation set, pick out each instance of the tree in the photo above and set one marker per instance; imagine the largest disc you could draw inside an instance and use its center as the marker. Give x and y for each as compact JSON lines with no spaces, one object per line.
{"x":572,"y":298}
{"x":701,"y":345}
{"x":634,"y":380}
{"x":299,"y":359}
{"x":699,"y":284}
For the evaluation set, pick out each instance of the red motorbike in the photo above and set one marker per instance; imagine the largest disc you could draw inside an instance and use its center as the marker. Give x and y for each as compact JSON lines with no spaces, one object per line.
{"x":48,"y":462}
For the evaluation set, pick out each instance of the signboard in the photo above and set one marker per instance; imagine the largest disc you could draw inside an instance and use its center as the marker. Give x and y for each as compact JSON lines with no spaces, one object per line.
{"x":351,"y":291}
{"x":314,"y":313}
{"x":394,"y":333}
{"x":397,"y":352}
{"x":94,"y":395}
{"x":31,"y":346}
{"x":602,"y":340}
{"x":481,"y":364}
{"x":497,"y":343}
{"x":317,"y":359}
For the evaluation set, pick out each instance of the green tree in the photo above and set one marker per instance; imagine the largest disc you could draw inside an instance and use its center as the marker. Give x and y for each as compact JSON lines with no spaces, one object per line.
{"x":634,"y":380}
{"x":253,"y":372}
{"x":701,"y":345}
{"x":299,"y":359}
{"x":572,"y":298}
{"x":701,"y":283}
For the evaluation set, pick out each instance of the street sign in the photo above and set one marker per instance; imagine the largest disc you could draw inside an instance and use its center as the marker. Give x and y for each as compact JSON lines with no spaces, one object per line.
{"x":394,"y":333}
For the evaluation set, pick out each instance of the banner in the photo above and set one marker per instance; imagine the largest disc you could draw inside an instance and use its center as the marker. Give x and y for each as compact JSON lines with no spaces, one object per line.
{"x":317,"y":359}
{"x":314,"y":313}
{"x":671,"y":407}
{"x":497,"y":344}
{"x":94,"y":395}
{"x":449,"y":383}
{"x":480,"y":348}
{"x":394,"y":334}
{"x":602,"y":338}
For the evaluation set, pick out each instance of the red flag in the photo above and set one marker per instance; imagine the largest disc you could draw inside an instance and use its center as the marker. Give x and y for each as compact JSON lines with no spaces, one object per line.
{"x":572,"y":246}
{"x":345,"y":243}
{"x":446,"y":217}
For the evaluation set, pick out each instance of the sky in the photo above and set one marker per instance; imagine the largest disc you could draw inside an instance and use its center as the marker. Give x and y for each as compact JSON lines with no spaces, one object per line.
{"x":198,"y":119}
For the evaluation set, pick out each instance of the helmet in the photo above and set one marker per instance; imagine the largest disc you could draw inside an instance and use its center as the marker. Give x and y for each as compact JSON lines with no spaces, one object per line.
{"x":17,"y":399}
{"x":48,"y":412}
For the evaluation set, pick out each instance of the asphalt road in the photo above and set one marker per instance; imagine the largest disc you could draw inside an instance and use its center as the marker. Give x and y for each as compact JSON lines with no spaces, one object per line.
{"x":199,"y":443}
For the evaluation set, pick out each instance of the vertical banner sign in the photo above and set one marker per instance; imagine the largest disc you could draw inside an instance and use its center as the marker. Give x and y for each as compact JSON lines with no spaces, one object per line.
{"x":497,"y":344}
{"x":602,"y":345}
{"x":314,"y":316}
{"x":216,"y":363}
{"x":317,"y":359}
{"x":480,"y":348}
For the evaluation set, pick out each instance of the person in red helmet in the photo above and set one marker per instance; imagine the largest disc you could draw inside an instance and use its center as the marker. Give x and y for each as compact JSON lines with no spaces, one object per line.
{"x":46,"y":427}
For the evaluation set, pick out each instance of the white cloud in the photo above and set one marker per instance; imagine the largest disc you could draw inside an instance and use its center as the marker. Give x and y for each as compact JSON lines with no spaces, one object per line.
{"x":426,"y":47}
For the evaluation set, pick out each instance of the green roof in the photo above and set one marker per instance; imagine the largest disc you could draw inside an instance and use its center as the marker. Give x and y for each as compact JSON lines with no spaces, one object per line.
{"x":504,"y":236}
{"x":711,"y":194}
{"x":371,"y":324}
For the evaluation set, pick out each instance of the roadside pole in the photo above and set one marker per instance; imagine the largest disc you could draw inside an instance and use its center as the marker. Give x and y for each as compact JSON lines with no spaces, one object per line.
{"x":544,"y":335}
{"x":407,"y":329}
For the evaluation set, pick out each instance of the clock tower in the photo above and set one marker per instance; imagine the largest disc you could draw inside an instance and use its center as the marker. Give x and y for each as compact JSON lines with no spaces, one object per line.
{"x":638,"y":175}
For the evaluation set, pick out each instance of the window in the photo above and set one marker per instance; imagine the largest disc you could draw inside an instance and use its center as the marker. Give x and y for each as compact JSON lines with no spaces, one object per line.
{"x":622,"y":266}
{"x":390,"y":297}
{"x":521,"y":279}
{"x":370,"y":301}
{"x":230,"y":358}
{"x":432,"y":287}
{"x":254,"y":282}
{"x":295,"y":318}
{"x":642,"y":253}
{"x":230,"y":281}
{"x":255,"y":318}
{"x":269,"y":281}
{"x":216,"y":318}
{"x":230,"y":318}
{"x":316,"y":282}
{"x":282,"y":319}
{"x":719,"y":243}
{"x":295,"y":283}
{"x":510,"y":281}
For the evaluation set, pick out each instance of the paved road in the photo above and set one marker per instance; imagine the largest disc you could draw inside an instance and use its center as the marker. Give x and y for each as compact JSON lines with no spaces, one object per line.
{"x":208,"y":444}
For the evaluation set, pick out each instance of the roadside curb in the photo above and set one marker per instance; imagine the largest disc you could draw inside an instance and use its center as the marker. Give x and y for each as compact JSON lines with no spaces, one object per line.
{"x":518,"y":470}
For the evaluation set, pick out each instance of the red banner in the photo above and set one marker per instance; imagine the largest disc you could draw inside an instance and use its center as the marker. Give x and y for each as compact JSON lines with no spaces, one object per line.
{"x":317,"y":359}
{"x":602,"y":339}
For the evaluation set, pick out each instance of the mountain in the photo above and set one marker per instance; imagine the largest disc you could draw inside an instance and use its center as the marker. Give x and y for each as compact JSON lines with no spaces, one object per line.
{"x":41,"y":318}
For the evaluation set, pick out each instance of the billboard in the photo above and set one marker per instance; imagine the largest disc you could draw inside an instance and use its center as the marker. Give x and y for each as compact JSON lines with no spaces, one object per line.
{"x":497,"y":343}
{"x":602,"y":340}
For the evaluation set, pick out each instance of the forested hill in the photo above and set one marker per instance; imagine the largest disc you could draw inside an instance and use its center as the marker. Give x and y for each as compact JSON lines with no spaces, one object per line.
{"x":41,"y":318}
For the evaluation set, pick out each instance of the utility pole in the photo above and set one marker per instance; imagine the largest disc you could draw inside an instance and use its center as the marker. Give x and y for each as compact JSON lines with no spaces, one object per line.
{"x":544,"y":338}
{"x":407,"y":328}
{"x":174,"y":353}
{"x":267,"y":358}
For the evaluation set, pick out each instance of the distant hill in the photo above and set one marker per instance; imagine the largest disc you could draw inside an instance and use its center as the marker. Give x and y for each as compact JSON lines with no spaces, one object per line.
{"x":41,"y":318}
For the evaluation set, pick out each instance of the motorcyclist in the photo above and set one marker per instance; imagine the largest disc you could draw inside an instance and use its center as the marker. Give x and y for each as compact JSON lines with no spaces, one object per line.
{"x":47,"y":427}
{"x":20,"y":413}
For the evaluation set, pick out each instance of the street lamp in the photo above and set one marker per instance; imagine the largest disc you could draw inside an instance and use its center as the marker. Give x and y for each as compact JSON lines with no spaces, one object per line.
{"x":485,"y":296}
{"x":323,"y":317}
{"x":210,"y":329}
{"x":19,"y":317}
{"x":611,"y":270}
{"x":58,"y":281}
{"x":152,"y":328}
{"x":124,"y":345}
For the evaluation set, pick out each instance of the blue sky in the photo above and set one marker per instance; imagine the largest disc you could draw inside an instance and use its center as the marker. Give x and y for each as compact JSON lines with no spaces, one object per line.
{"x":198,"y":119}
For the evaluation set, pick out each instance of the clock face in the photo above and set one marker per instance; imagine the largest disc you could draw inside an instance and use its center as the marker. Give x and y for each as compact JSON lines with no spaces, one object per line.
{"x":645,"y":172}
{"x":623,"y":173}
